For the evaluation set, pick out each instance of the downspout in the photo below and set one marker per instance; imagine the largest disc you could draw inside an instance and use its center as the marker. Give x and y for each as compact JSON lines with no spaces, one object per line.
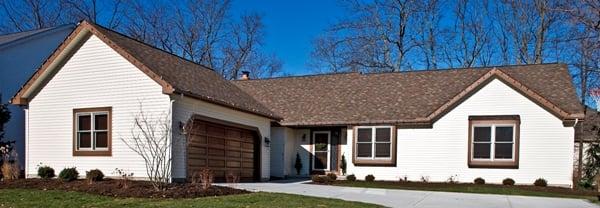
{"x":171,"y":136}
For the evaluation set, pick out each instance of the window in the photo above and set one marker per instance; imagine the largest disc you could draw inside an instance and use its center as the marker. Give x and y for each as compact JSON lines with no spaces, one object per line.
{"x":493,"y":141}
{"x":374,"y":145}
{"x":92,"y":132}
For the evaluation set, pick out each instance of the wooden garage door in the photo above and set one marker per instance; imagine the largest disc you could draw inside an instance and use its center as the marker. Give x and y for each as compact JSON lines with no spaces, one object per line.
{"x":224,"y":150}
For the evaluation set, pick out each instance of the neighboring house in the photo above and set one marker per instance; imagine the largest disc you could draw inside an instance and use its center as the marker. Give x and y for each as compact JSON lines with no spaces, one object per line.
{"x":494,"y":123}
{"x":20,"y":55}
{"x":591,"y":129}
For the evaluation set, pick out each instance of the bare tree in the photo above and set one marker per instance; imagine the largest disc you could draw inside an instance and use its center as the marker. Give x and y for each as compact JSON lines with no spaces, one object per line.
{"x":150,"y":23}
{"x":429,"y":30}
{"x":469,"y":36}
{"x":23,"y":15}
{"x":529,"y":23}
{"x":109,"y":13}
{"x":376,"y":37}
{"x":151,"y":139}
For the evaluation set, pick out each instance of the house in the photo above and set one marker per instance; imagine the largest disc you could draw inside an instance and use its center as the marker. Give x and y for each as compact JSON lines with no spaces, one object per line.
{"x":585,"y":135}
{"x":20,"y":55}
{"x":494,"y":123}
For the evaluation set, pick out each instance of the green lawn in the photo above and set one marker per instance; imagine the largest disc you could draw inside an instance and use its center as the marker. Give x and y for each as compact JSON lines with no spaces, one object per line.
{"x":39,"y":198}
{"x":472,"y":188}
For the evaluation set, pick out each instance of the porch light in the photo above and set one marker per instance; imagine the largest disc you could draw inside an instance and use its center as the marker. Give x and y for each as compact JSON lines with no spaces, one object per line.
{"x":267,"y":142}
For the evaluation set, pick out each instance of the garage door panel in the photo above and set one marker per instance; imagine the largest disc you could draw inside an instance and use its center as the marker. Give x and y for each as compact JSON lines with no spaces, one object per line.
{"x":235,"y":154}
{"x":222,"y":149}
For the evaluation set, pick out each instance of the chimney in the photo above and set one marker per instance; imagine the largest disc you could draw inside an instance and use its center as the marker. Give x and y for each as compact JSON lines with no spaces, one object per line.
{"x":245,"y":75}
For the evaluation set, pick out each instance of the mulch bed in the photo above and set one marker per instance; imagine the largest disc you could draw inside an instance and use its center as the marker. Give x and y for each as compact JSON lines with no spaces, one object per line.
{"x":113,"y":187}
{"x":445,"y":186}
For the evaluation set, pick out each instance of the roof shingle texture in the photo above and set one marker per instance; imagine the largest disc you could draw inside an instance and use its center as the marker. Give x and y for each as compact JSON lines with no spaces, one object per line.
{"x":353,"y":98}
{"x":188,"y":77}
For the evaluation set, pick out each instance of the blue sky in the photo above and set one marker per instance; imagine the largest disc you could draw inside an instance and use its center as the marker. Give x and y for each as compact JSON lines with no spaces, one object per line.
{"x":291,"y":26}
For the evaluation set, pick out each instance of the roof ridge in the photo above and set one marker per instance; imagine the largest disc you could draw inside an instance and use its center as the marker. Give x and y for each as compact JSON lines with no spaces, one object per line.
{"x":499,"y":67}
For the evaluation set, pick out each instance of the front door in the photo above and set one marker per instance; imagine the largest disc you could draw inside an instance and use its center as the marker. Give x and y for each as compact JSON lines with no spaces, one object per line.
{"x":321,"y":150}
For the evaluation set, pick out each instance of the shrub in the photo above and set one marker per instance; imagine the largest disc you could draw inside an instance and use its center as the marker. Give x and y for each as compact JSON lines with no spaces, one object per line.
{"x":94,"y":175}
{"x":343,"y":166}
{"x":453,"y":179}
{"x":45,"y":172}
{"x":479,"y":181}
{"x":332,"y":176}
{"x":351,"y":177}
{"x":68,"y":174}
{"x":323,"y":179}
{"x":298,"y":164}
{"x":370,"y":178}
{"x":125,"y":177}
{"x":540,"y":182}
{"x":10,"y":170}
{"x":508,"y":182}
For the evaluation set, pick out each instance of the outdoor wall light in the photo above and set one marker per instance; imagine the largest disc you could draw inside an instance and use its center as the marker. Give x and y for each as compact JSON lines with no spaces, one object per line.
{"x":267,"y":142}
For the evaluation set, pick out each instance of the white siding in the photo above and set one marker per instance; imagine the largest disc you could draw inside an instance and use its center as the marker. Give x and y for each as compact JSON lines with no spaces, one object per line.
{"x":96,"y":76}
{"x":546,"y":147}
{"x":185,"y":107}
{"x":278,"y":142}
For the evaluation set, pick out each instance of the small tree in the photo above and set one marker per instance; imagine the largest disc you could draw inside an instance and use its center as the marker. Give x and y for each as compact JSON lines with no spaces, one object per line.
{"x":298,"y":164}
{"x":343,"y":166}
{"x":151,"y":139}
{"x":591,"y":166}
{"x":4,"y":117}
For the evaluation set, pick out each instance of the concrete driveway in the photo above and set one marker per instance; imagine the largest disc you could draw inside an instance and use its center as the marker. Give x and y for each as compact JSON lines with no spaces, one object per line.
{"x":420,"y":199}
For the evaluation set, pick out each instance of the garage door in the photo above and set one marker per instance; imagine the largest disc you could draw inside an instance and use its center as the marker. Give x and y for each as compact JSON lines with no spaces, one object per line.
{"x":225,"y":150}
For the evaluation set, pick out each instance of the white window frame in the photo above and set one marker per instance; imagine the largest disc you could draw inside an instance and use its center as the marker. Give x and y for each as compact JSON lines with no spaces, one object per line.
{"x":314,"y":149}
{"x":374,"y":141}
{"x":493,"y":142}
{"x":92,"y":130}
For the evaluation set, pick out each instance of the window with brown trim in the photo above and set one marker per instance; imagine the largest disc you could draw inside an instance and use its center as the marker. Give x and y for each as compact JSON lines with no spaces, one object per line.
{"x":494,"y":141}
{"x":374,"y":145}
{"x":92,"y":131}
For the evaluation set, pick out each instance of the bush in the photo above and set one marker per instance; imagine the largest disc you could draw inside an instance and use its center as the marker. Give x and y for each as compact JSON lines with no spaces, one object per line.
{"x":508,"y":182}
{"x":540,"y":182}
{"x":94,"y":175}
{"x":351,"y":177}
{"x":370,"y":178}
{"x":45,"y":172}
{"x":68,"y":174}
{"x":479,"y":181}
{"x":323,"y":179}
{"x":585,"y":184}
{"x":332,"y":176}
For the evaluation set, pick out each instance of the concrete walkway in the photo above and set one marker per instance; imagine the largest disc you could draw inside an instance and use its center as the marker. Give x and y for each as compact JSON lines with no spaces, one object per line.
{"x":420,"y":199}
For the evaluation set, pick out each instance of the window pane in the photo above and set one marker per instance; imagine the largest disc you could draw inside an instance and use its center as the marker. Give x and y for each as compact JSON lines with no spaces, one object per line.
{"x":85,"y":140}
{"x":84,"y":122}
{"x":320,"y":142}
{"x":504,"y":134}
{"x":503,"y":151}
{"x":482,"y":134}
{"x":364,"y":135}
{"x":363,"y":150}
{"x":101,"y":122}
{"x":320,"y":160}
{"x":481,"y":151}
{"x":382,"y":134}
{"x":101,"y":139}
{"x":382,"y":150}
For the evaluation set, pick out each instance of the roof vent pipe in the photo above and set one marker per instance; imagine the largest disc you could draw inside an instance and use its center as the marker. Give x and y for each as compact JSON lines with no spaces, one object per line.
{"x":245,"y":75}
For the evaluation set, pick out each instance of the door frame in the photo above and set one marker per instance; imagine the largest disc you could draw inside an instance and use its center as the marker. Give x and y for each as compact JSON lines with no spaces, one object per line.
{"x":327,"y":168}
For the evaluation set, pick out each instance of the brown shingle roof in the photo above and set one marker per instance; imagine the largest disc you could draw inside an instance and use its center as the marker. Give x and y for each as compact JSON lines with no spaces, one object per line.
{"x":175,"y":74}
{"x":405,"y":97}
{"x":591,"y":126}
